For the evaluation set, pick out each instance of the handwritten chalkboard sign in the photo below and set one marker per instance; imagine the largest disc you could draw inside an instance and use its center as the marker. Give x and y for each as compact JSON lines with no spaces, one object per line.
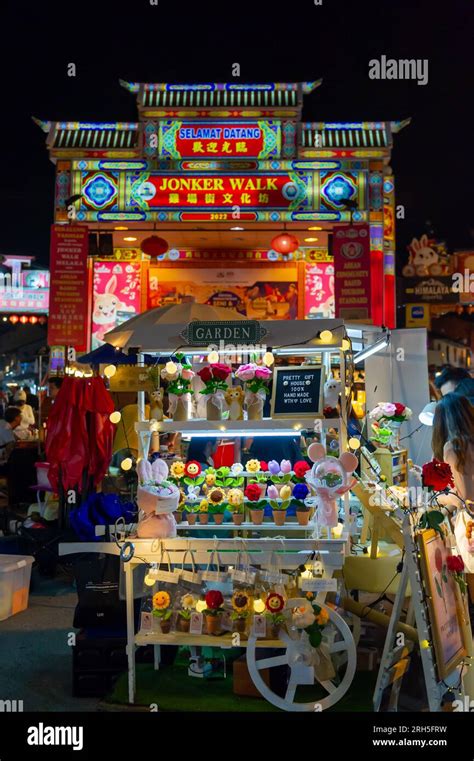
{"x":297,"y":392}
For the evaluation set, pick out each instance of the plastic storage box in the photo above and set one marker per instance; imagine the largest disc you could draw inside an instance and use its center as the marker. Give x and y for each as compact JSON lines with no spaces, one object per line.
{"x":15,"y":574}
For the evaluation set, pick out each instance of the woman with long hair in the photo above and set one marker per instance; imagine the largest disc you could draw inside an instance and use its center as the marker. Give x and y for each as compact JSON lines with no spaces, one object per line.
{"x":453,"y":442}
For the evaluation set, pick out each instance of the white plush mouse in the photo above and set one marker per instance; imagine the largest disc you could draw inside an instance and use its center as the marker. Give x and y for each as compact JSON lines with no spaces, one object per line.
{"x":332,"y":389}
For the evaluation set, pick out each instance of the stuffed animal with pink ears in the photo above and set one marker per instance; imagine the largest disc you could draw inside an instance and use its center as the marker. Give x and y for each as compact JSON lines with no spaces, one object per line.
{"x":329,"y":478}
{"x":157,"y":500}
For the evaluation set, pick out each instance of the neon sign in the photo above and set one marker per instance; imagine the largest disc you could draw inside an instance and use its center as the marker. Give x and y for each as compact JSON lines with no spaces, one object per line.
{"x":179,"y":139}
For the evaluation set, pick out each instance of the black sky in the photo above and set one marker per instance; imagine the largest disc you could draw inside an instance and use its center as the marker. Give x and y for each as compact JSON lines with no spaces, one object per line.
{"x":197,"y":41}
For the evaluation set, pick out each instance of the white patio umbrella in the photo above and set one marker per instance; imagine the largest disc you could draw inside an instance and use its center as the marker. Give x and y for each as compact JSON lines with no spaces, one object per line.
{"x":159,"y":329}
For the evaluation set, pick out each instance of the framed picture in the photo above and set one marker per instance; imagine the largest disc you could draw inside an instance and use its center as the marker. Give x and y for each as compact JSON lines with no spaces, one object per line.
{"x":297,"y":392}
{"x":443,"y":606}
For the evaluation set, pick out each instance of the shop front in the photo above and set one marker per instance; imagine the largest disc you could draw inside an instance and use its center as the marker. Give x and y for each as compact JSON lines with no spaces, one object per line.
{"x":221,"y":194}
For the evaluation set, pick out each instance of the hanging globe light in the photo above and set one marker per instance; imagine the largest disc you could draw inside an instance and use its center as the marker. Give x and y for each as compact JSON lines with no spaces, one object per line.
{"x":154,"y":246}
{"x":285,"y":243}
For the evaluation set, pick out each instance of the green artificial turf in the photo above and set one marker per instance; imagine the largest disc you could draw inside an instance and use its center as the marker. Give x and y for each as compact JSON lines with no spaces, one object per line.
{"x":171,"y":689}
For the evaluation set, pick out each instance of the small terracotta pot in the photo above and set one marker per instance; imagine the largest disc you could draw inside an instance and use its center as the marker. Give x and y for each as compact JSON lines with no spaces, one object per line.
{"x":213,"y":624}
{"x":274,"y":631}
{"x":303,"y":517}
{"x":279,"y":517}
{"x":238,"y":518}
{"x":203,"y":518}
{"x":183,"y":624}
{"x":240,"y":624}
{"x":178,"y":516}
{"x":218,"y":518}
{"x":165,"y":626}
{"x":192,"y":518}
{"x":257,"y":516}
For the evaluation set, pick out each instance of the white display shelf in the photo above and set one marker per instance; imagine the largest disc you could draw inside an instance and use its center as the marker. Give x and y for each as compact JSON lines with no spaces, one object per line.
{"x":246,"y":526}
{"x":230,"y":428}
{"x":199,"y":640}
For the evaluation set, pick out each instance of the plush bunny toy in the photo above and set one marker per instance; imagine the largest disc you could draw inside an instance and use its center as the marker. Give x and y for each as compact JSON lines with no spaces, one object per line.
{"x":329,"y":478}
{"x":157,"y":499}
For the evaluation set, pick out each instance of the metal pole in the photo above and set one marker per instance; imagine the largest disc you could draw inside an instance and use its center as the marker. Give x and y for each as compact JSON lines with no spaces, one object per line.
{"x":141,"y":394}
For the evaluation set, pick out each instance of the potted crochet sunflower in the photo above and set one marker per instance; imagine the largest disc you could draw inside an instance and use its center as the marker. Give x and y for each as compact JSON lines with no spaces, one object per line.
{"x":217,"y":504}
{"x":274,"y":605}
{"x":162,"y":610}
{"x":241,"y":604}
{"x":235,"y":500}
{"x":212,"y":612}
{"x":188,"y":604}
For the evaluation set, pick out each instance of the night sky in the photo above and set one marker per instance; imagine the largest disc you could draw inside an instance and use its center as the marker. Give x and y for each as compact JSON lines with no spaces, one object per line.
{"x":290,"y":41}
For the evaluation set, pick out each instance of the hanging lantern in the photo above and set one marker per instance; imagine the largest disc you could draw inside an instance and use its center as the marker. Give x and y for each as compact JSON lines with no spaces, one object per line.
{"x":285,"y":243}
{"x":154,"y":246}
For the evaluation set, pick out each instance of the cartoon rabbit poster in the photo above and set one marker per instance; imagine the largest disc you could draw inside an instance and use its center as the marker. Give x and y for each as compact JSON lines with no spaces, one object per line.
{"x":116,"y":297}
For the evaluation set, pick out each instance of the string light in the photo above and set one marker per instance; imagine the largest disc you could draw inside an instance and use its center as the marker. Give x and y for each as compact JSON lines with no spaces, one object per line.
{"x":346,"y":344}
{"x":110,"y":371}
{"x":171,"y":368}
{"x":268,"y":358}
{"x":200,"y":606}
{"x":126,"y":463}
{"x":325,"y":335}
{"x":258,"y":606}
{"x":354,"y":443}
{"x":213,"y":357}
{"x":150,"y":578}
{"x":115,"y":417}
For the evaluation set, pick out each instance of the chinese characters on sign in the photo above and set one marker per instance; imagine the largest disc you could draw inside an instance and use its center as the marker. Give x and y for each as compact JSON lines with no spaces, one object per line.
{"x":67,"y":324}
{"x":164,"y":191}
{"x":352,"y":271}
{"x":219,"y":140}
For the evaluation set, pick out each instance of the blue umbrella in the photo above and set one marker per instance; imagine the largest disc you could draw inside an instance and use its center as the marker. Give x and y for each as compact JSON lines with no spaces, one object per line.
{"x":108,"y":355}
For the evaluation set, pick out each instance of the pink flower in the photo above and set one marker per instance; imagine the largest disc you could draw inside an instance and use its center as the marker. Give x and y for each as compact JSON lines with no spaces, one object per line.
{"x":274,"y":467}
{"x":263,"y":373}
{"x":187,"y":374}
{"x":246,"y":372}
{"x":388,"y":408}
{"x":272,"y":492}
{"x":377,"y":413}
{"x":285,"y":466}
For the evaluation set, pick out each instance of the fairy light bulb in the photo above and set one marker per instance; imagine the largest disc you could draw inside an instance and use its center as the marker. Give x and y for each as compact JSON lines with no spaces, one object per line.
{"x":115,"y":417}
{"x":354,"y":443}
{"x":126,"y":463}
{"x":150,"y":579}
{"x":258,"y":606}
{"x":213,"y":357}
{"x":110,"y":371}
{"x":171,"y":367}
{"x":268,"y":359}
{"x":346,"y":344}
{"x":200,"y":606}
{"x":326,"y":336}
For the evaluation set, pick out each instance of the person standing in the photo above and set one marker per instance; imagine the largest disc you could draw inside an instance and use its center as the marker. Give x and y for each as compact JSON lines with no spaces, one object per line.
{"x":457,"y":380}
{"x":7,"y":438}
{"x":28,"y":422}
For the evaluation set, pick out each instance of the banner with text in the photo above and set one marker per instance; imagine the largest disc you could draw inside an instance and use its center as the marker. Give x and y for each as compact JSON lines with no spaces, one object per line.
{"x":67,"y":325}
{"x":352,"y":271}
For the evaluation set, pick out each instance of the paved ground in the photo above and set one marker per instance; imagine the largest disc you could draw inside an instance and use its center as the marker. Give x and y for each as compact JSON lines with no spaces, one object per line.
{"x":35,"y":659}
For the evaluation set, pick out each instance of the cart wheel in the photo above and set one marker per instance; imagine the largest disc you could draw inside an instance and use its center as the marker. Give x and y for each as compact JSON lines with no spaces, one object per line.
{"x":297,"y":655}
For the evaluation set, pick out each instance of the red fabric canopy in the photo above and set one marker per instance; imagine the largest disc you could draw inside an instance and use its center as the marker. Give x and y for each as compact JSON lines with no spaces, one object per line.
{"x":80,"y":434}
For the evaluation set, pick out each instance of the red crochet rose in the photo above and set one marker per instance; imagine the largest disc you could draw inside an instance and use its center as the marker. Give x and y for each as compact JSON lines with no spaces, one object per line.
{"x":214,"y":599}
{"x":205,"y":374}
{"x":220,"y":371}
{"x":455,"y":563}
{"x":263,"y":466}
{"x":300,"y":468}
{"x":437,"y":475}
{"x":253,"y":492}
{"x":399,"y":408}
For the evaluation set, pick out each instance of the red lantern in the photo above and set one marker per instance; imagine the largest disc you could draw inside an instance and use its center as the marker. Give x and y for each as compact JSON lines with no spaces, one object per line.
{"x":154,"y":246}
{"x":285,"y":243}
